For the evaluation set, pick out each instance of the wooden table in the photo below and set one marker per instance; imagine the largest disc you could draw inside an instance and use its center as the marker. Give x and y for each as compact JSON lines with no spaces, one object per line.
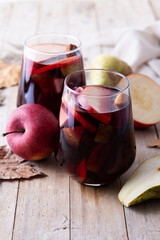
{"x":57,"y":207}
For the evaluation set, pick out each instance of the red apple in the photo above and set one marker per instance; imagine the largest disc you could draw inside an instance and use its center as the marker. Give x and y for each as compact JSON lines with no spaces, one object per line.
{"x":145,"y":94}
{"x":32,"y":132}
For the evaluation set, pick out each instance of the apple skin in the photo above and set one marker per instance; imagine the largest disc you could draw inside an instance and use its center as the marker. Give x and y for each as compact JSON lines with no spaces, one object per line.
{"x":143,"y":125}
{"x":140,"y":83}
{"x":41,"y":132}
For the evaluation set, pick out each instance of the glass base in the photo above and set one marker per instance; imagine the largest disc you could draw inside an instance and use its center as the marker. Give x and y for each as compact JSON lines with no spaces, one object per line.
{"x":95,"y":184}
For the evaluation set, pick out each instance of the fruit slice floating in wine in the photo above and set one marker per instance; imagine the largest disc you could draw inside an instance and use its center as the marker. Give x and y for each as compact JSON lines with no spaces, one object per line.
{"x":71,"y":66}
{"x":103,"y":133}
{"x":81,"y":170}
{"x":41,"y":81}
{"x":66,"y":99}
{"x":58,"y":64}
{"x":94,"y":161}
{"x":64,"y":117}
{"x":58,"y":84}
{"x":96,"y":105}
{"x":73,"y":135}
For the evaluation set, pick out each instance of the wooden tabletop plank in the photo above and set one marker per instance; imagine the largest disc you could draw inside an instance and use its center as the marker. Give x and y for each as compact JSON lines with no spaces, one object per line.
{"x":43,"y":204}
{"x":23,"y":20}
{"x":8,"y":190}
{"x":13,"y":31}
{"x":96,"y":213}
{"x":53,"y":17}
{"x":82,"y":21}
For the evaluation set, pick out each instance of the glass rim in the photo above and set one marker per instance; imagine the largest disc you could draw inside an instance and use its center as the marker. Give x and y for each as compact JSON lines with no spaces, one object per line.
{"x":52,"y":35}
{"x":99,"y":69}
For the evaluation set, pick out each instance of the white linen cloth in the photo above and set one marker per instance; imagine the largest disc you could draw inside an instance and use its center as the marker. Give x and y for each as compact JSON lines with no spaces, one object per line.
{"x":10,"y":52}
{"x":138,"y":46}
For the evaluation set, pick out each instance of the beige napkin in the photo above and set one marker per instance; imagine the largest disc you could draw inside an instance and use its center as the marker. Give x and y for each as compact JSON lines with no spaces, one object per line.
{"x":141,"y":50}
{"x":138,"y":46}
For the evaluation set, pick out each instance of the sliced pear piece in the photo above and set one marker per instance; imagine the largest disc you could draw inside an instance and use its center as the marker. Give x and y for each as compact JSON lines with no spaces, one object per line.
{"x":73,"y":65}
{"x":143,"y":184}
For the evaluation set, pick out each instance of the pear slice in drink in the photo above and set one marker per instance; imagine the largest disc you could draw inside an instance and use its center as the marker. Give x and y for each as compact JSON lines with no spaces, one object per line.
{"x":143,"y":184}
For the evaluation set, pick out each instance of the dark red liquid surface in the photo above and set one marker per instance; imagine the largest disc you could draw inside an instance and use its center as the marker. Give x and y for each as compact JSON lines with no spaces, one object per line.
{"x":42,"y":82}
{"x":96,"y":148}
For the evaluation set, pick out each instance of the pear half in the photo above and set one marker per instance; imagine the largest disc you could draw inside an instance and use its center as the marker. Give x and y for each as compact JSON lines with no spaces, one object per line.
{"x":143,"y":184}
{"x":106,"y":61}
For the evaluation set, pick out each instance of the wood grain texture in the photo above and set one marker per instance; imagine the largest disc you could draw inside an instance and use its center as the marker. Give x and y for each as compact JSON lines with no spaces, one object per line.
{"x":143,"y":217}
{"x":82,"y":20}
{"x":52,"y":17}
{"x":43,"y":206}
{"x":96,"y":213}
{"x":8,"y":190}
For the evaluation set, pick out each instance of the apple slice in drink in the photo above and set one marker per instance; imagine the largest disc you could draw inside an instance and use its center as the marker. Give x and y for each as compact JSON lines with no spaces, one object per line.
{"x":73,"y":135}
{"x":58,"y":84}
{"x":41,"y":81}
{"x":95,"y":161}
{"x":81,"y":170}
{"x":94,"y":100}
{"x":63,"y":117}
{"x":71,"y":66}
{"x":69,"y":104}
{"x":54,"y":65}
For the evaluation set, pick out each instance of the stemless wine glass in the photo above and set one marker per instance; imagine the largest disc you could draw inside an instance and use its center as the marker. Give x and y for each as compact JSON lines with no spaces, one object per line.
{"x":47,"y":60}
{"x":97,"y":141}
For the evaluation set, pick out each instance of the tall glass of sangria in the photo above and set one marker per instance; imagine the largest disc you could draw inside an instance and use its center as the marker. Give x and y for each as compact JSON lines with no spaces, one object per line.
{"x":47,"y":60}
{"x":97,"y":141}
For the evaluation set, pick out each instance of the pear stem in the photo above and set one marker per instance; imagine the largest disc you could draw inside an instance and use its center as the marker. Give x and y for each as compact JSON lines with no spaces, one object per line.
{"x":16,"y":131}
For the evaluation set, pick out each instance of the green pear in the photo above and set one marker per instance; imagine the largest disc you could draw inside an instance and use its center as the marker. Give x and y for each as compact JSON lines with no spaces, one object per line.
{"x":105,"y":61}
{"x":143,"y":184}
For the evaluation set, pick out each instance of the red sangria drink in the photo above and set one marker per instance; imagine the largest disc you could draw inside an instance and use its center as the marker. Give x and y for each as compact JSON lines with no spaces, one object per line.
{"x":97,"y":141}
{"x":47,"y":60}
